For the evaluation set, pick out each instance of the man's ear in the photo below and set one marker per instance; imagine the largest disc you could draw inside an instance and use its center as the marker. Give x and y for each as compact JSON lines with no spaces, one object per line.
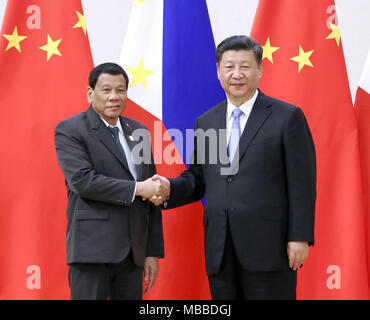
{"x":260,"y":71}
{"x":218,"y":70}
{"x":89,"y":92}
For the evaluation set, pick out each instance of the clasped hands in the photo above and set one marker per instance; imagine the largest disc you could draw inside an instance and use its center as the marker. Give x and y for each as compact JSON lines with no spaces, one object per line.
{"x":155,"y":189}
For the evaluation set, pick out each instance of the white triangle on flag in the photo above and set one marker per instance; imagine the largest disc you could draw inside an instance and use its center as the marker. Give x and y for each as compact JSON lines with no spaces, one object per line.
{"x":141,"y":55}
{"x":365,"y":77}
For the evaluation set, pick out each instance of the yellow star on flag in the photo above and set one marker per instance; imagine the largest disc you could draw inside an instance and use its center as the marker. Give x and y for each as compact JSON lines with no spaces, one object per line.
{"x":140,"y":74}
{"x":268,"y":50}
{"x":14,"y":40}
{"x":335,"y":33}
{"x":138,"y":2}
{"x":51,"y":47}
{"x":81,"y":22}
{"x":303,"y":58}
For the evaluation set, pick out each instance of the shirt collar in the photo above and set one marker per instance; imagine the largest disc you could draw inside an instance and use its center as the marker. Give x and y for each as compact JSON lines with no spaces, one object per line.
{"x":118,"y":124}
{"x":246,"y":107}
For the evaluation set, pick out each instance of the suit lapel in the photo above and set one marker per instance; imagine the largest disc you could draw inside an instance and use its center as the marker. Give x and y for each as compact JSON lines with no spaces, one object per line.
{"x":220,"y":125}
{"x":260,"y":112}
{"x":218,"y":122}
{"x":221,"y":116}
{"x":102,"y":133}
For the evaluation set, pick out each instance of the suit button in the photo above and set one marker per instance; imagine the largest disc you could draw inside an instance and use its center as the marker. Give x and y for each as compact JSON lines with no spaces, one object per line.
{"x":229,"y":179}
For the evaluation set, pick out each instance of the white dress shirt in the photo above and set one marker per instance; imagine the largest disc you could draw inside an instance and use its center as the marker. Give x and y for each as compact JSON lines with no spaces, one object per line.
{"x":246,"y":107}
{"x":127,"y":150}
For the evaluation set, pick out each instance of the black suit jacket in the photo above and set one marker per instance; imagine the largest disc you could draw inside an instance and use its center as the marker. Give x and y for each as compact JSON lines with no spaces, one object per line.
{"x":103,"y":222}
{"x":268,"y":200}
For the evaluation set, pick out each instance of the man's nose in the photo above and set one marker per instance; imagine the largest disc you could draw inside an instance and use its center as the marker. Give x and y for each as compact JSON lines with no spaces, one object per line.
{"x":113,"y":95}
{"x":237,"y":74}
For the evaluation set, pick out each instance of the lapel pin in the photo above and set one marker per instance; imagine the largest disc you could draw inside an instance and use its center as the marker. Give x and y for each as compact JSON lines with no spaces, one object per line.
{"x":131,"y":138}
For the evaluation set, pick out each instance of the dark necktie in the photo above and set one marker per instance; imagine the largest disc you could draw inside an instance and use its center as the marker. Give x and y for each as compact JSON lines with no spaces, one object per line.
{"x":114,"y":131}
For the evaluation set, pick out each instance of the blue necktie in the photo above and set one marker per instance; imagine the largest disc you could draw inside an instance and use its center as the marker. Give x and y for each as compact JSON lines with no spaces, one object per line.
{"x":114,"y":131}
{"x":234,"y":134}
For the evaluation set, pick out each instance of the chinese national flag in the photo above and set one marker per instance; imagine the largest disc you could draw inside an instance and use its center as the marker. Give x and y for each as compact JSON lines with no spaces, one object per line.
{"x":45,"y":61}
{"x":303,"y":64}
{"x":362,"y":108}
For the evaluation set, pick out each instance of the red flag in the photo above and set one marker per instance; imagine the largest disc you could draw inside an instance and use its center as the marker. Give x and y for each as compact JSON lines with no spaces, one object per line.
{"x":45,"y":60}
{"x":362,"y":108}
{"x":304,"y":64}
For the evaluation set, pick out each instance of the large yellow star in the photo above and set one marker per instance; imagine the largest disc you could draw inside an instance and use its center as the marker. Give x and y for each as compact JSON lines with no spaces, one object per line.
{"x":138,"y":2}
{"x":303,"y":58}
{"x":140,"y":74}
{"x":335,"y":33}
{"x":81,"y":22}
{"x":51,"y":47}
{"x":14,"y":40}
{"x":268,"y":50}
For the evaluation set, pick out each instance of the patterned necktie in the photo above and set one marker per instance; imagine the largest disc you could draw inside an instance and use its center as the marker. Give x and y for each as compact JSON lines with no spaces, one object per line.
{"x":234,"y":134}
{"x":114,"y":131}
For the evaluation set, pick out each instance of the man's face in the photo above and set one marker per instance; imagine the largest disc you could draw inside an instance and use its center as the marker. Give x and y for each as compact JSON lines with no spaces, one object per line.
{"x":109,"y":96}
{"x":239,"y":75}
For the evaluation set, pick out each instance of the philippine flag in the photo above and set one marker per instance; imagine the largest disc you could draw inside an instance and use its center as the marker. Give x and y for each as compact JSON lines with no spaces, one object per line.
{"x":169,"y":53}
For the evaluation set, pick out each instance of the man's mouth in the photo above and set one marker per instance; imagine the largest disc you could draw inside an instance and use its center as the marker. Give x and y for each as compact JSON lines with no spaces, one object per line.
{"x":237,"y":85}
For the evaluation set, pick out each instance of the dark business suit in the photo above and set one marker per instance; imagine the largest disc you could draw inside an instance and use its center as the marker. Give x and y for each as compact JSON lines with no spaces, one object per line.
{"x":266,"y":202}
{"x":104,"y":225}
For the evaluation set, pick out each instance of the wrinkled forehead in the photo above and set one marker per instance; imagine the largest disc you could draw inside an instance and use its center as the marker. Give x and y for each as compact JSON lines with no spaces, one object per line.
{"x":111,"y":80}
{"x":238,"y":56}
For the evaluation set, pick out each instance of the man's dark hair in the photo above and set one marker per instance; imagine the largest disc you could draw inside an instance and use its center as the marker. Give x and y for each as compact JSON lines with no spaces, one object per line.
{"x":108,"y":67}
{"x":239,"y":43}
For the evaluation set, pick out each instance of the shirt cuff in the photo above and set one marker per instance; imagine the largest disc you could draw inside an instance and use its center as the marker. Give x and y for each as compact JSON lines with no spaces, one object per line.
{"x":133,"y":196}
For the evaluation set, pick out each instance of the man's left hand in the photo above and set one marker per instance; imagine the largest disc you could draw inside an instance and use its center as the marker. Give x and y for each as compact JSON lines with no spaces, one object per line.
{"x":297,"y":253}
{"x":150,"y":272}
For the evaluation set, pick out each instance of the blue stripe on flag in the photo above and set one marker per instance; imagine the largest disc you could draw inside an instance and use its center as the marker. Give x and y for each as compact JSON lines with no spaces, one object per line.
{"x":190,"y":84}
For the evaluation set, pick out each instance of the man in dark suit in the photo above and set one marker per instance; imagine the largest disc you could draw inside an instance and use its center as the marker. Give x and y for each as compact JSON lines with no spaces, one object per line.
{"x":112,"y":234}
{"x":259,"y":212}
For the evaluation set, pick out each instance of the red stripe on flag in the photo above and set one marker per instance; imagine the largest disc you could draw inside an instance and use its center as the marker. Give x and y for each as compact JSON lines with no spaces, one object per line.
{"x":182,"y":273}
{"x":362,"y":108}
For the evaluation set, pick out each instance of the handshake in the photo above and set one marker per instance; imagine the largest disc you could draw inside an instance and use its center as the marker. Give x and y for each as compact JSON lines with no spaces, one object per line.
{"x":156,"y":189}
